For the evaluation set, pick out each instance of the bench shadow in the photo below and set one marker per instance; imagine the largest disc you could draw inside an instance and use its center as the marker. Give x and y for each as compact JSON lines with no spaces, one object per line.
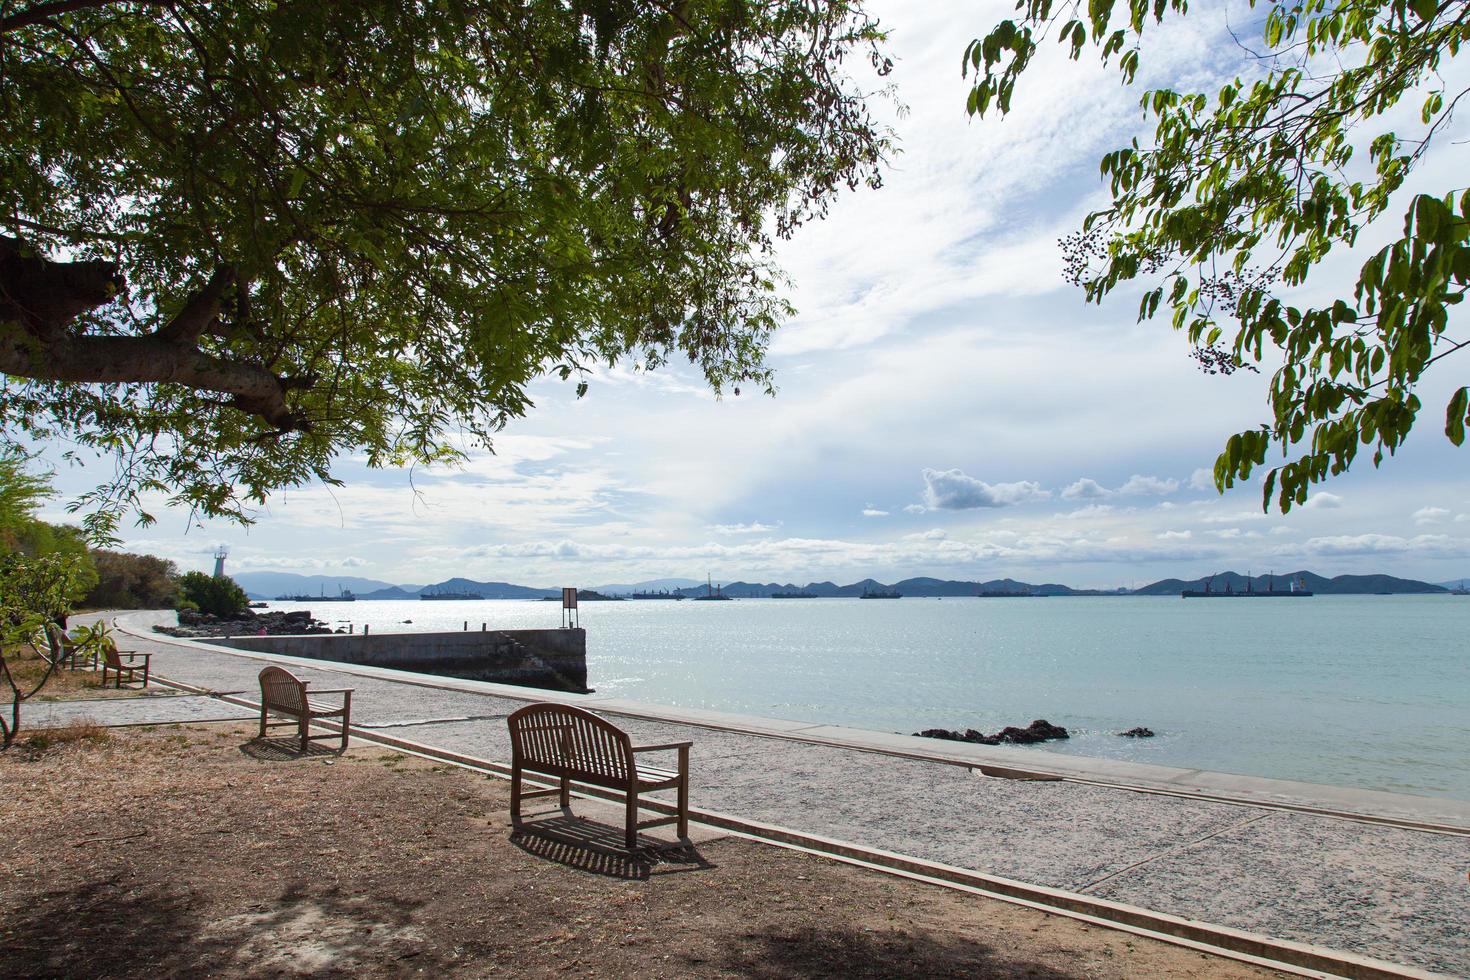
{"x":801,"y":954}
{"x":286,"y":748}
{"x":598,"y":848}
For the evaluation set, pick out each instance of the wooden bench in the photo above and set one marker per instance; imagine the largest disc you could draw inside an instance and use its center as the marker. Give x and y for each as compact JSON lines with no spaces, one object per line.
{"x":68,"y":652}
{"x":114,"y":662}
{"x":283,"y":693}
{"x":569,"y":743}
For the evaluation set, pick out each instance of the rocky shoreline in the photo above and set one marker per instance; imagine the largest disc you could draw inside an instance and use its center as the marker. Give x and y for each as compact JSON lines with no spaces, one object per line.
{"x":1039,"y":730}
{"x":194,"y":625}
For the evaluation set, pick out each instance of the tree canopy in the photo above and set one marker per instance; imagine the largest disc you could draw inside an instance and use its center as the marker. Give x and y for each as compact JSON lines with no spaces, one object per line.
{"x":1244,"y":192}
{"x":240,"y":240}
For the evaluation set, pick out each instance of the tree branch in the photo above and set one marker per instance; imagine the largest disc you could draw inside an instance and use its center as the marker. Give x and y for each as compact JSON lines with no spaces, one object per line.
{"x":43,"y":298}
{"x":42,"y":12}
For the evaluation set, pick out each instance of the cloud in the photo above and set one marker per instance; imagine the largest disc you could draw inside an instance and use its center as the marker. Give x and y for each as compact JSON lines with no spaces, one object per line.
{"x":1322,"y":500}
{"x":1429,"y":515}
{"x":1437,"y":545}
{"x":1234,"y":533}
{"x":754,"y":527}
{"x":1175,"y":535}
{"x":1086,"y":489}
{"x":954,"y":490}
{"x":1232,"y":518}
{"x":871,"y":511}
{"x":1202,"y":479}
{"x":1091,"y":510}
{"x":1139,"y":485}
{"x":915,"y":509}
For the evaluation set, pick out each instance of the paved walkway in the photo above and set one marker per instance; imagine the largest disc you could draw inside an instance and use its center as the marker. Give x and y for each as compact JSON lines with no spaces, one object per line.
{"x":1387,"y":892}
{"x":113,"y":712}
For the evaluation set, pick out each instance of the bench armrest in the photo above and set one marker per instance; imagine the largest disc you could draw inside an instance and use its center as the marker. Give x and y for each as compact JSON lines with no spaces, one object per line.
{"x":333,"y":690}
{"x":662,"y":748}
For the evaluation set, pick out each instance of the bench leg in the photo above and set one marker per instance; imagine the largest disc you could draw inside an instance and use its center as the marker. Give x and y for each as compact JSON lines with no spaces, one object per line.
{"x":262,"y":721}
{"x":684,"y":792}
{"x":632,"y":821}
{"x":302,"y":729}
{"x":566,"y":792}
{"x":515,"y":798}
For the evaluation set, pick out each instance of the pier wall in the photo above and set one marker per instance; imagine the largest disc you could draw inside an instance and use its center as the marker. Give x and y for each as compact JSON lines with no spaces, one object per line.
{"x":552,"y":659}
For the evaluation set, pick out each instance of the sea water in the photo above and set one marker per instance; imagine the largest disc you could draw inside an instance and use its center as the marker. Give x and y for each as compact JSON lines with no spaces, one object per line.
{"x":1365,"y":691}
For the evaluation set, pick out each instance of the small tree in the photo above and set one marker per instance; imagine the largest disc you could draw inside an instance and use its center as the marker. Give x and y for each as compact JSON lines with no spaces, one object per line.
{"x":35,"y":593}
{"x":216,"y":596}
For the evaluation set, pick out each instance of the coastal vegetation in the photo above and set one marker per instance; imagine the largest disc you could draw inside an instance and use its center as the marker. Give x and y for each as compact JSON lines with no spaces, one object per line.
{"x":241,"y":241}
{"x":1246,"y":193}
{"x":212,"y":596}
{"x":128,"y":581}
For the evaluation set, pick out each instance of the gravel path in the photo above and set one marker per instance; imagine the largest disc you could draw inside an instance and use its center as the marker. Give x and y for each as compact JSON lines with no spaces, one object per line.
{"x":1394,"y":894}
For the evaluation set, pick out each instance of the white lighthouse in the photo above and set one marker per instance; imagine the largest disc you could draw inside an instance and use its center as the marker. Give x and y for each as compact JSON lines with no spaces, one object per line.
{"x":220,"y":554}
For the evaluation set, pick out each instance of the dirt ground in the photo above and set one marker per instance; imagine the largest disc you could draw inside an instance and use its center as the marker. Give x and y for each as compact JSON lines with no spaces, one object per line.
{"x":65,"y":684}
{"x":193,"y":851}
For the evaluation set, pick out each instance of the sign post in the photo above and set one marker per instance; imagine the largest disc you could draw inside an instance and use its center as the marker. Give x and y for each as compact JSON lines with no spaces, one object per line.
{"x":569,"y":617}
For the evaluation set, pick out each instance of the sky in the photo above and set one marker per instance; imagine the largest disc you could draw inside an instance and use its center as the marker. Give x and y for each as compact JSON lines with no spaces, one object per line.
{"x":947,"y":404}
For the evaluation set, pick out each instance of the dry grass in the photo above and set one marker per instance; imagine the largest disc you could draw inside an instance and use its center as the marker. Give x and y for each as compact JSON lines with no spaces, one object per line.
{"x":38,"y":740}
{"x":199,"y":851}
{"x":27,"y":668}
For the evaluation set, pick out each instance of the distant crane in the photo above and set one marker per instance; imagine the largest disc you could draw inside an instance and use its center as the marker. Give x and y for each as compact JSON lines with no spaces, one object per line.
{"x":220,"y":554}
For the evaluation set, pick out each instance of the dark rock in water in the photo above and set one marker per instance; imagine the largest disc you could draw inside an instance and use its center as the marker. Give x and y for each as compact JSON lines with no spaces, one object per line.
{"x":1020,"y":736}
{"x":943,"y":733}
{"x":1047,"y":730}
{"x":298,"y":616}
{"x":1139,"y":732}
{"x":1037,"y":731}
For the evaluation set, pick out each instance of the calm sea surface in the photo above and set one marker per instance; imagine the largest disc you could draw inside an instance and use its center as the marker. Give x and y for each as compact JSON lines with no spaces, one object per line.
{"x":1368,"y":691}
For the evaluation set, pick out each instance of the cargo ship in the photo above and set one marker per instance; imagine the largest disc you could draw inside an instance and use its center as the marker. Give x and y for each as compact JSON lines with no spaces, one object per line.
{"x":793,"y":595}
{"x":1296,"y":590}
{"x":447,"y":594}
{"x":712,"y":593}
{"x":343,"y":595}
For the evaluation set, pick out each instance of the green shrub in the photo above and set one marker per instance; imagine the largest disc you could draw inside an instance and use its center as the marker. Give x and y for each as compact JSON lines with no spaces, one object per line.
{"x":216,"y":596}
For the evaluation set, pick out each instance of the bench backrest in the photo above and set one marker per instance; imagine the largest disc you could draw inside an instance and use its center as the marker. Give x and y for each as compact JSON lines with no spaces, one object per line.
{"x":110,"y":657}
{"x":560,"y":740}
{"x":281,"y":690}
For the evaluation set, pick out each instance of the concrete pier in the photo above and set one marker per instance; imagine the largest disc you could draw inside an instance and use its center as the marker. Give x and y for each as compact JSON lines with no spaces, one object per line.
{"x":552,"y":659}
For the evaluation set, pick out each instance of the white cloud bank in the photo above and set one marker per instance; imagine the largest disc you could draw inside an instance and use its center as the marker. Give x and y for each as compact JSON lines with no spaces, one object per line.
{"x":1137,"y":485}
{"x":956,"y":490}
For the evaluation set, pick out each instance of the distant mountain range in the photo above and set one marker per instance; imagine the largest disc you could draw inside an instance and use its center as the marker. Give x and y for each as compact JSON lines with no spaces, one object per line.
{"x":1338,"y":585}
{"x":268,"y":585}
